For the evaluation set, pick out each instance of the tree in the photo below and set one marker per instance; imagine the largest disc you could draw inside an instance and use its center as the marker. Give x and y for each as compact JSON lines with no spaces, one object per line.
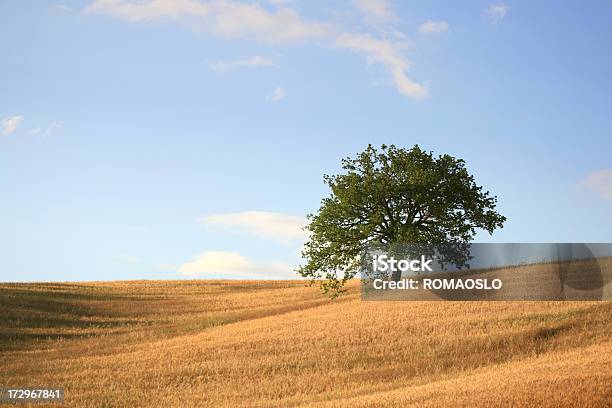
{"x":391,"y":196}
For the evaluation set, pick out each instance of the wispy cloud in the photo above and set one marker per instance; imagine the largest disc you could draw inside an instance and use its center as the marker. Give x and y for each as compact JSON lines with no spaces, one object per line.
{"x":281,"y":2}
{"x":376,"y":9}
{"x":262,"y":224}
{"x":221,"y":17}
{"x":9,"y":124}
{"x":252,"y":62}
{"x":50,"y":128}
{"x":599,"y":182}
{"x":497,"y":12}
{"x":234,"y":265}
{"x":53,"y":126}
{"x":389,"y":54}
{"x":277,"y":94}
{"x":385,"y":48}
{"x":275,"y":24}
{"x":433,"y":27}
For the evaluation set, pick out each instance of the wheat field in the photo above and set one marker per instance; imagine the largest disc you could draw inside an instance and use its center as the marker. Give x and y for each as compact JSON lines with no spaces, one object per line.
{"x":283,"y":344}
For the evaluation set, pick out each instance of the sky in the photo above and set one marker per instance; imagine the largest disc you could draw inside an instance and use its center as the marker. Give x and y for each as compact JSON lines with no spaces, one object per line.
{"x":188,"y":139}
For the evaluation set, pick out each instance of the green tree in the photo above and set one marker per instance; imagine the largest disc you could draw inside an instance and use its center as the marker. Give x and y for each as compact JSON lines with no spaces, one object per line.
{"x":392,"y":196}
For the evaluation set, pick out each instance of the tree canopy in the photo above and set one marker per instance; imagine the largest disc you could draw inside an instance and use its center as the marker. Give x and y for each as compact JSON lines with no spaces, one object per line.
{"x":388,"y":196}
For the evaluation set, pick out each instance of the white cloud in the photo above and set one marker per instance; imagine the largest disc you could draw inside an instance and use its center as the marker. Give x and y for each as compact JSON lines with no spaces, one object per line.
{"x":150,"y":10}
{"x":9,"y":124}
{"x":497,"y":11}
{"x":388,"y":54}
{"x":280,"y":24}
{"x":232,"y":264}
{"x":276,"y":95}
{"x":51,"y":127}
{"x":281,"y":2}
{"x":252,"y":62}
{"x":378,"y":9}
{"x":268,"y":225}
{"x":600,"y":182}
{"x":433,"y":27}
{"x":221,"y":17}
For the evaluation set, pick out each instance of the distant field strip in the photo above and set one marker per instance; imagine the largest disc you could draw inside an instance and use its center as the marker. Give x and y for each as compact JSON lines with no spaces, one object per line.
{"x":271,"y":344}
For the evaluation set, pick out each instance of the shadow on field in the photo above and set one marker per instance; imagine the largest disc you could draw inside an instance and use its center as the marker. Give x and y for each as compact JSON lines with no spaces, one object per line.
{"x":42,"y":312}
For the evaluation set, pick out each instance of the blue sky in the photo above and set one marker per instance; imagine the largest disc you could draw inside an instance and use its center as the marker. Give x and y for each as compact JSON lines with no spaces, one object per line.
{"x":173,"y":139}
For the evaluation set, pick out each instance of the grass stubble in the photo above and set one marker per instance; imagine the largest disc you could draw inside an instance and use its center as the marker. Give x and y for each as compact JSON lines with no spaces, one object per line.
{"x":282,"y":343}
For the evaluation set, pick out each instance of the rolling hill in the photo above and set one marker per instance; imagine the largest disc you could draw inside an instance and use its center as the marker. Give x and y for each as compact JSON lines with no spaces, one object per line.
{"x":281,"y":343}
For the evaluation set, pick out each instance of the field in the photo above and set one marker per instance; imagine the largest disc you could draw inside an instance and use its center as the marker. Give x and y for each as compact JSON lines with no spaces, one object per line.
{"x":282,"y":344}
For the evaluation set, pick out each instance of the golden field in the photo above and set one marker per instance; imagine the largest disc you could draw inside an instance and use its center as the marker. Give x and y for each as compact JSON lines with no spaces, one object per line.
{"x":283,"y":344}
